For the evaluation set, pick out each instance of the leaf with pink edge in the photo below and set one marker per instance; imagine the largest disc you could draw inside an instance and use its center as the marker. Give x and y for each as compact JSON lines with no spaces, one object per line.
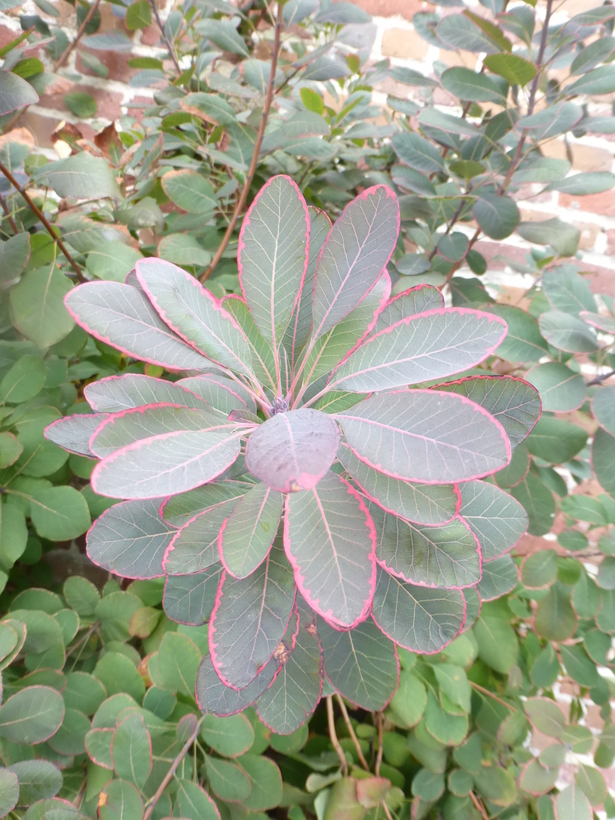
{"x":430,"y":504}
{"x":444,"y":557}
{"x":329,"y":538}
{"x":250,"y":618}
{"x":409,"y":303}
{"x":195,"y":547}
{"x":292,"y":451}
{"x":273,"y":255}
{"x":220,"y":392}
{"x":179,"y":509}
{"x":417,"y":618}
{"x":213,"y":696}
{"x":496,"y":518}
{"x":513,"y":402}
{"x":122,"y":316}
{"x":190,"y":599}
{"x":354,"y":255}
{"x":421,"y":348}
{"x":246,"y":536}
{"x":73,"y":433}
{"x":293,"y":696}
{"x":119,"y":430}
{"x":298,"y":331}
{"x":118,"y":393}
{"x":426,"y":436}
{"x":194,"y":313}
{"x":168,"y":464}
{"x":130,"y":539}
{"x":603,"y":408}
{"x":361,"y":664}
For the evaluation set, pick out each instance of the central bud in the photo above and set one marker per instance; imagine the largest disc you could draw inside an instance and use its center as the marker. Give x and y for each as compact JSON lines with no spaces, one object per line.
{"x":280,"y":405}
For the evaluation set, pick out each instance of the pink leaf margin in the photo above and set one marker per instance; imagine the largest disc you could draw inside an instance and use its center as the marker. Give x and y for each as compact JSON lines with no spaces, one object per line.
{"x":125,"y":376}
{"x":479,"y":551}
{"x":314,"y":603}
{"x":477,"y":409}
{"x":241,"y":244}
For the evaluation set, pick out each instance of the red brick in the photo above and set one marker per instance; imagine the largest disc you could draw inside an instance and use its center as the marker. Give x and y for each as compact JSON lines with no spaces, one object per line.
{"x":594,"y":203}
{"x":116,"y":62}
{"x":390,"y":8}
{"x":108,"y":102}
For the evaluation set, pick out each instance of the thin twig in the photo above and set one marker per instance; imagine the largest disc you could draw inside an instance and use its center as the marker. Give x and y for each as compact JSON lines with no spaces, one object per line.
{"x":165,"y":36}
{"x":333,"y":736}
{"x":379,"y":753}
{"x":493,"y":697}
{"x":81,"y":31}
{"x":478,"y":806}
{"x":600,"y":379}
{"x":35,"y":209}
{"x":352,"y":734}
{"x":257,"y":149}
{"x":169,"y":775}
{"x":9,"y":215}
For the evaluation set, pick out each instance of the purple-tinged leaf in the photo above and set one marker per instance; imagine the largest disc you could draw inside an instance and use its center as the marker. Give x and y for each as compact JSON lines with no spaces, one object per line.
{"x":216,"y":698}
{"x":360,"y":664}
{"x":354,"y":255}
{"x":246,"y":536}
{"x":499,"y":578}
{"x":167,"y":464}
{"x":445,"y":557}
{"x":190,"y":599}
{"x":117,"y":393}
{"x":194,"y":313}
{"x":599,"y":321}
{"x":250,"y":618}
{"x":298,"y":331}
{"x":195,"y":547}
{"x":421,"y":348}
{"x":263,"y":360}
{"x":409,"y":303}
{"x":73,"y":433}
{"x":417,"y":618}
{"x":294,"y":694}
{"x":123,"y":317}
{"x":179,"y":509}
{"x":121,"y":429}
{"x":427,"y":436}
{"x":334,"y":345}
{"x":292,"y":451}
{"x":473,"y":607}
{"x":496,"y":518}
{"x":273,"y":255}
{"x":330,"y":540}
{"x":129,"y":539}
{"x":220,"y":392}
{"x":430,"y":504}
{"x":513,"y":402}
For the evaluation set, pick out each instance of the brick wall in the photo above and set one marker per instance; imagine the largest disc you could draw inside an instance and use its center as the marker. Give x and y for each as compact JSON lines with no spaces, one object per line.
{"x":397,"y":40}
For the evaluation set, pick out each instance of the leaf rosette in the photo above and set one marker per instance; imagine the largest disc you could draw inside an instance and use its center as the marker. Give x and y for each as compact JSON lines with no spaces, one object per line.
{"x":310,"y":475}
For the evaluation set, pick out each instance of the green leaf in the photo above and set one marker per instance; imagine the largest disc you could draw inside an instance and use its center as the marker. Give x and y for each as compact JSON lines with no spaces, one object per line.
{"x":563,"y":237}
{"x":14,"y":255}
{"x":112,"y":260}
{"x":223,"y":34}
{"x":515,"y":69}
{"x":15,"y":92}
{"x":118,"y":674}
{"x":567,"y":291}
{"x":312,"y":100}
{"x":227,"y":780}
{"x":599,"y":81}
{"x":603,"y":407}
{"x":13,"y":534}
{"x":132,"y":751}
{"x":266,"y":782}
{"x":119,"y":799}
{"x":247,"y":534}
{"x":572,"y":804}
{"x":178,"y":661}
{"x":469,"y":32}
{"x":38,"y":780}
{"x":417,"y":152}
{"x":9,"y":791}
{"x":497,"y":216}
{"x":453,"y":682}
{"x":561,"y":389}
{"x":584,"y":184}
{"x":23,"y":381}
{"x":603,"y":452}
{"x":497,"y":785}
{"x":229,"y":736}
{"x":555,"y":618}
{"x":539,"y":569}
{"x":555,"y":440}
{"x":183,"y":249}
{"x":409,"y":702}
{"x":138,"y":15}
{"x":32,"y":715}
{"x":81,"y":175}
{"x":497,"y":643}
{"x":469,"y":85}
{"x":60,"y":513}
{"x":189,"y":190}
{"x":82,"y":105}
{"x":37,"y":306}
